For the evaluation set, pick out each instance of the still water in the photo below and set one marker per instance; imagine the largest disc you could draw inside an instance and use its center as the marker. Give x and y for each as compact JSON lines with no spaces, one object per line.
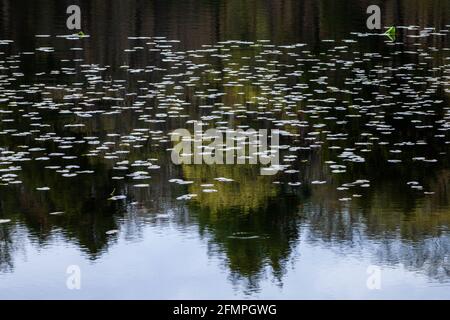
{"x":86,"y":177}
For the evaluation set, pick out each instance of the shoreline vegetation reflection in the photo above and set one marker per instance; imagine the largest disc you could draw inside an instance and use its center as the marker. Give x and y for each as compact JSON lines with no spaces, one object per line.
{"x":85,"y":132}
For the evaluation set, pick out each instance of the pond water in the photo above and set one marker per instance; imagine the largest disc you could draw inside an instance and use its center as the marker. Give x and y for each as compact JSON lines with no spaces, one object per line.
{"x":87,"y":180}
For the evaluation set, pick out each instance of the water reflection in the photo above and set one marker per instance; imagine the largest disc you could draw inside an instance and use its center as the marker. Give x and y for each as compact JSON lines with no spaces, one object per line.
{"x":85,"y":149}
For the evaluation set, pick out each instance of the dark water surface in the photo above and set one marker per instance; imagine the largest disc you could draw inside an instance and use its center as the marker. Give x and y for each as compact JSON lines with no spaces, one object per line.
{"x":86,"y":177}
